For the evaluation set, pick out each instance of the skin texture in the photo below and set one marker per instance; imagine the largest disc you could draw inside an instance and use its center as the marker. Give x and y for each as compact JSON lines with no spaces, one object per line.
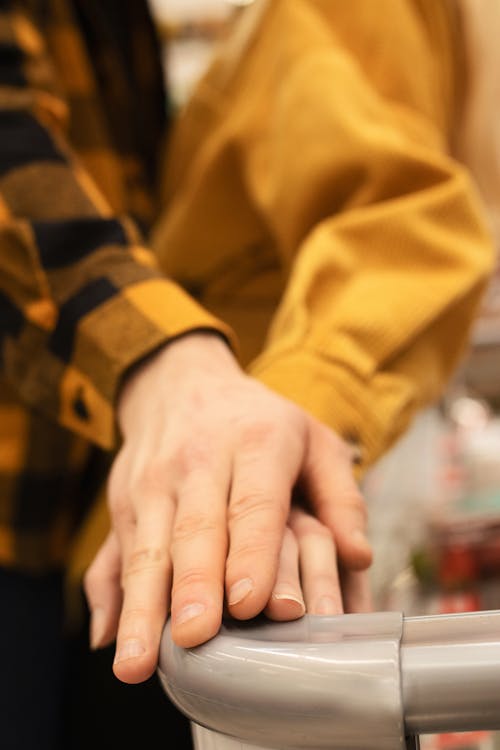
{"x":202,"y":519}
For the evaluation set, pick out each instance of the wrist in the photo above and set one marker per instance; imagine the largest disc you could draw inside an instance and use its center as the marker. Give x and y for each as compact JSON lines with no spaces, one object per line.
{"x":192,"y":353}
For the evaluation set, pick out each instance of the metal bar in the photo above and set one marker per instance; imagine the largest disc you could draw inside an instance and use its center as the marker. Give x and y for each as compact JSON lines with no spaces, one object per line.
{"x":353,"y":681}
{"x":273,"y":685}
{"x":450,"y":668}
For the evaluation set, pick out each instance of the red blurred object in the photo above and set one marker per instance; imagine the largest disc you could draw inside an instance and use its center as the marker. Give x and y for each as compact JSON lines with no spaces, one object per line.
{"x":459,"y":601}
{"x":458,"y":566}
{"x":488,"y":555}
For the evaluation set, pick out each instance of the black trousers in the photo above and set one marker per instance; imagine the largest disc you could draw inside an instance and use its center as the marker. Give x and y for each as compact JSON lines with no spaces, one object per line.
{"x":57,"y":695}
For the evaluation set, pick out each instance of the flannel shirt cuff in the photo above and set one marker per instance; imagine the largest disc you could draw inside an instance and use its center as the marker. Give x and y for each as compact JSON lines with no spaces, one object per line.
{"x":116,"y":335}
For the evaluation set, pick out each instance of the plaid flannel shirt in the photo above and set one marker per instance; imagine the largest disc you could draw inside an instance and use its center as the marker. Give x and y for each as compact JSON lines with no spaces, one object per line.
{"x":82,"y":115}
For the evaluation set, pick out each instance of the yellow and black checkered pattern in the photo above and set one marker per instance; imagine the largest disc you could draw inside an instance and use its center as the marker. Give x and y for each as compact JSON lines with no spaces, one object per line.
{"x":82,"y":117}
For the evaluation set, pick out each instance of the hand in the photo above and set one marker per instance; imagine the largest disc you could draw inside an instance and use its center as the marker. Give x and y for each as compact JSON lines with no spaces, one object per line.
{"x":308,"y":578}
{"x":199,"y":496}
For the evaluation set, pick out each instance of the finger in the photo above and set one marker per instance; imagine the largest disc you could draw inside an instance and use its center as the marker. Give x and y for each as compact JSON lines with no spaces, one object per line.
{"x":286,"y":602}
{"x":146,"y":582}
{"x":263,"y":479}
{"x":123,"y":519}
{"x":103,"y":592}
{"x":335,"y":496}
{"x":199,"y":548}
{"x":356,"y":587}
{"x":318,"y":564}
{"x":199,"y":543}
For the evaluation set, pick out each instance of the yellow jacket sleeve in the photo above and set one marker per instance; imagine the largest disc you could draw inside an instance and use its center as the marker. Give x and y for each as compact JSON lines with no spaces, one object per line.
{"x":326,"y":135}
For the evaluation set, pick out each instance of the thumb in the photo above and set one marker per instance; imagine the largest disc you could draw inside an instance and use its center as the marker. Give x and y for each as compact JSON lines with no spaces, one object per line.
{"x":335,"y":497}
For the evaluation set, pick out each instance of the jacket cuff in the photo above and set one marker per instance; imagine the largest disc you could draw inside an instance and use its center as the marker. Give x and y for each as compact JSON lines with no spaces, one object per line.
{"x":113,"y":338}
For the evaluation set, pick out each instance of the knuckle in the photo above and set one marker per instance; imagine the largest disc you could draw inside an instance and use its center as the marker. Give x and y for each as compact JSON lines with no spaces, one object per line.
{"x":257,"y":545}
{"x":354,"y":499}
{"x":258,"y":432}
{"x":191,"y":526}
{"x":133,"y":614}
{"x":253,"y":503}
{"x":189,"y":579}
{"x":354,"y":502}
{"x":347,"y":499}
{"x":145,"y":559}
{"x":147,"y":488}
{"x":190,"y":456}
{"x":151,"y":480}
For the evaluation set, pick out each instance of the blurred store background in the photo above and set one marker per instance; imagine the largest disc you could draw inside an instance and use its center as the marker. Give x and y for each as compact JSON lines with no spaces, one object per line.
{"x":435,"y":498}
{"x":190,"y":30}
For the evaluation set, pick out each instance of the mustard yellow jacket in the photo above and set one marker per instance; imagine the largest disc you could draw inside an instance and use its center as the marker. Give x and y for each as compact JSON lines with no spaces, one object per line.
{"x":312,"y":200}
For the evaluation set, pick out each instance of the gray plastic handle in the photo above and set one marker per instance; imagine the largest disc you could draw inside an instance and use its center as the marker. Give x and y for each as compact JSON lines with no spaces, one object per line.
{"x":353,"y":682}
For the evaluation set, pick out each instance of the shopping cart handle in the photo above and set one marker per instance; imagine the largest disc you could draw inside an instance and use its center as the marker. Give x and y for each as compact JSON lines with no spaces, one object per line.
{"x":350,"y":682}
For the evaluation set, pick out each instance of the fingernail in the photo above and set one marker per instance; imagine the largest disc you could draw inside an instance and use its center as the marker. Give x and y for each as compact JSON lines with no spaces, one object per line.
{"x":97,"y":628}
{"x":189,"y":613}
{"x":282,"y":595}
{"x":239,"y":591}
{"x":130,"y":650}
{"x":360,"y":539}
{"x":327,"y":605}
